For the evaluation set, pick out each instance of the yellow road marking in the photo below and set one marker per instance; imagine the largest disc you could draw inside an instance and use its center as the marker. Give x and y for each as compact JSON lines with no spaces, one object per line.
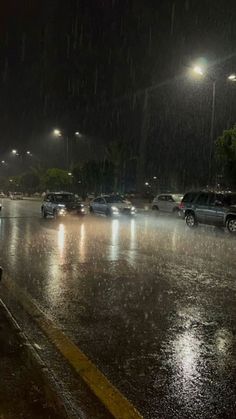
{"x":110,"y":396}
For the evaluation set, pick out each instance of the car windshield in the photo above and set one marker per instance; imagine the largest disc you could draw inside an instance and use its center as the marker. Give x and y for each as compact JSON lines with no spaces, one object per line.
{"x":177,"y":197}
{"x":114,"y":199}
{"x":64,"y":198}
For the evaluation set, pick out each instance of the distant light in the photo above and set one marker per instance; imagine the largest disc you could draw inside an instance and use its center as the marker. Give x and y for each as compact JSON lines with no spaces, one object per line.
{"x":69,"y":174}
{"x":10,"y":180}
{"x":154,"y":177}
{"x":14,"y":151}
{"x":28,"y":152}
{"x":57,"y":132}
{"x":77,"y":133}
{"x":3,"y":162}
{"x":146,"y":184}
{"x":198,"y":70}
{"x":232,"y":77}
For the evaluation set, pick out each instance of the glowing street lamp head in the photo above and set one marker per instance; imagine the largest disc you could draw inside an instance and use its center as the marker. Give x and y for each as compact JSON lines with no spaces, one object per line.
{"x":232,"y":77}
{"x":28,"y":152}
{"x":14,"y":151}
{"x":57,"y":132}
{"x":198,"y":70}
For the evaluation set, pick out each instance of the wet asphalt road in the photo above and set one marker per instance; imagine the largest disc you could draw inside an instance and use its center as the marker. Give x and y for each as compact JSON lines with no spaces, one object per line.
{"x":152,"y":303}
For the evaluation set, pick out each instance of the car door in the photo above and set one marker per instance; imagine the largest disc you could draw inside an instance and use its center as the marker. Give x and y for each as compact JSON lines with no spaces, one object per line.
{"x":49,"y":204}
{"x":201,"y":207}
{"x":170,"y":203}
{"x":102,"y":206}
{"x":162,"y":202}
{"x":211,"y":210}
{"x":221,"y":208}
{"x":95,"y":205}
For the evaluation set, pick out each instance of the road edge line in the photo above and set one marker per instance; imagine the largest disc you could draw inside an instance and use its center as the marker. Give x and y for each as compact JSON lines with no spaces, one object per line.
{"x":115,"y":402}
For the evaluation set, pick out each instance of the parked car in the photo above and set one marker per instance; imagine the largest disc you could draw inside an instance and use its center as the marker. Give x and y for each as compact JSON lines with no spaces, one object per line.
{"x":61,"y":204}
{"x":167,"y":203}
{"x":16,"y":195}
{"x":213,"y":208}
{"x":112,"y":205}
{"x":2,"y":195}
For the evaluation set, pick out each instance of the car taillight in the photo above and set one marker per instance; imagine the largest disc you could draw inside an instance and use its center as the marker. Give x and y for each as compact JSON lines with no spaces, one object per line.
{"x":181,"y":205}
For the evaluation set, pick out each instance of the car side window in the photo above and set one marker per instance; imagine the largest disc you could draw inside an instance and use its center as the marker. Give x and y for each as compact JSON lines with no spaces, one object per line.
{"x":169,"y":198}
{"x":48,"y":198}
{"x":212,"y":198}
{"x":189,"y":197}
{"x":161,"y":198}
{"x":102,"y":201}
{"x":202,"y":199}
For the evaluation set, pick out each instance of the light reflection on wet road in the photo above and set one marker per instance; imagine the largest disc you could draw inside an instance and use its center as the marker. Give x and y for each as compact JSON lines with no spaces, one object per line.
{"x":149,"y":301}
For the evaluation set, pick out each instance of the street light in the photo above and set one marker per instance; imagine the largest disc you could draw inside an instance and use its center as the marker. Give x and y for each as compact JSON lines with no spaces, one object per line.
{"x":232,"y":77}
{"x":14,"y":151}
{"x":198,"y":70}
{"x":57,"y":132}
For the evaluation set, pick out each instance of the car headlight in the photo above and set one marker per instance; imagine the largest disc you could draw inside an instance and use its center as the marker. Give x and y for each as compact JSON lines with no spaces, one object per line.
{"x":114,"y":209}
{"x":62,"y":211}
{"x":133,"y":209}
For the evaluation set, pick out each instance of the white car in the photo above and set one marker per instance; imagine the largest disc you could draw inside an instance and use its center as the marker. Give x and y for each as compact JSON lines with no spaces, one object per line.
{"x":112,"y":205}
{"x":167,"y":203}
{"x":16,"y":195}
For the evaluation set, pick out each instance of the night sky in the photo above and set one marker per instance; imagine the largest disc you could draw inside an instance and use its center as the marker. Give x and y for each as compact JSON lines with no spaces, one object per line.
{"x":83,"y":65}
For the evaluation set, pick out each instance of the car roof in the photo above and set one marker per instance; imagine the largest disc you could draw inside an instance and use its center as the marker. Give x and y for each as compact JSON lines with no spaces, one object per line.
{"x":60,"y":193}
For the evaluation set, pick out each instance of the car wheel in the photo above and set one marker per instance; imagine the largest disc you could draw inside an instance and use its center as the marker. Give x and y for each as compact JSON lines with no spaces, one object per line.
{"x":191,"y":220}
{"x":44,"y":213}
{"x":231,"y":225}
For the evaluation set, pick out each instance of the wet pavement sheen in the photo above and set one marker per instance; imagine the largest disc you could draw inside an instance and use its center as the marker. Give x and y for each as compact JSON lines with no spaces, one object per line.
{"x":149,"y":301}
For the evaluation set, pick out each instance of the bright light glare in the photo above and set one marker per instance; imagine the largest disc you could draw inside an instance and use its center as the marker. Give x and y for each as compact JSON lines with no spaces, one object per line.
{"x":146,"y":183}
{"x":69,"y":174}
{"x":3,"y":162}
{"x":28,"y":152}
{"x":77,"y":133}
{"x":57,"y":132}
{"x":198,"y":70}
{"x":232,"y":77}
{"x":14,"y":151}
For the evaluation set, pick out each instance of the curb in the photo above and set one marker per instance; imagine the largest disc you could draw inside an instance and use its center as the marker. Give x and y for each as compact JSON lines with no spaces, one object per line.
{"x":46,"y":380}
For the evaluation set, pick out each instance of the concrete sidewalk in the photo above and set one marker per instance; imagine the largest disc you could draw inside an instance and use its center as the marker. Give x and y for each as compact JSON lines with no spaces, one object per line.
{"x":22,"y":394}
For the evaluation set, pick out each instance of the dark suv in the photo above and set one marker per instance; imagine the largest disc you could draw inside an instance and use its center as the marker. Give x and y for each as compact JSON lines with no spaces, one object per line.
{"x":61,"y":204}
{"x":218,"y":209}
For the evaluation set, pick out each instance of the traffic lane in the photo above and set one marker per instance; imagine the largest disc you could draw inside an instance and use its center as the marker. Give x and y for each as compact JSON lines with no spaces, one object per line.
{"x":149,"y":301}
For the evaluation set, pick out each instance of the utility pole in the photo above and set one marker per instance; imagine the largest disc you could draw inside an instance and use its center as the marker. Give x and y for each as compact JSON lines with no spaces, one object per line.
{"x":142,"y":155}
{"x":213,"y":105}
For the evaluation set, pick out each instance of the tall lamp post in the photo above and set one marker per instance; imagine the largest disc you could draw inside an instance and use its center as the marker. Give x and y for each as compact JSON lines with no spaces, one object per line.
{"x":58,"y":133}
{"x":200,"y":71}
